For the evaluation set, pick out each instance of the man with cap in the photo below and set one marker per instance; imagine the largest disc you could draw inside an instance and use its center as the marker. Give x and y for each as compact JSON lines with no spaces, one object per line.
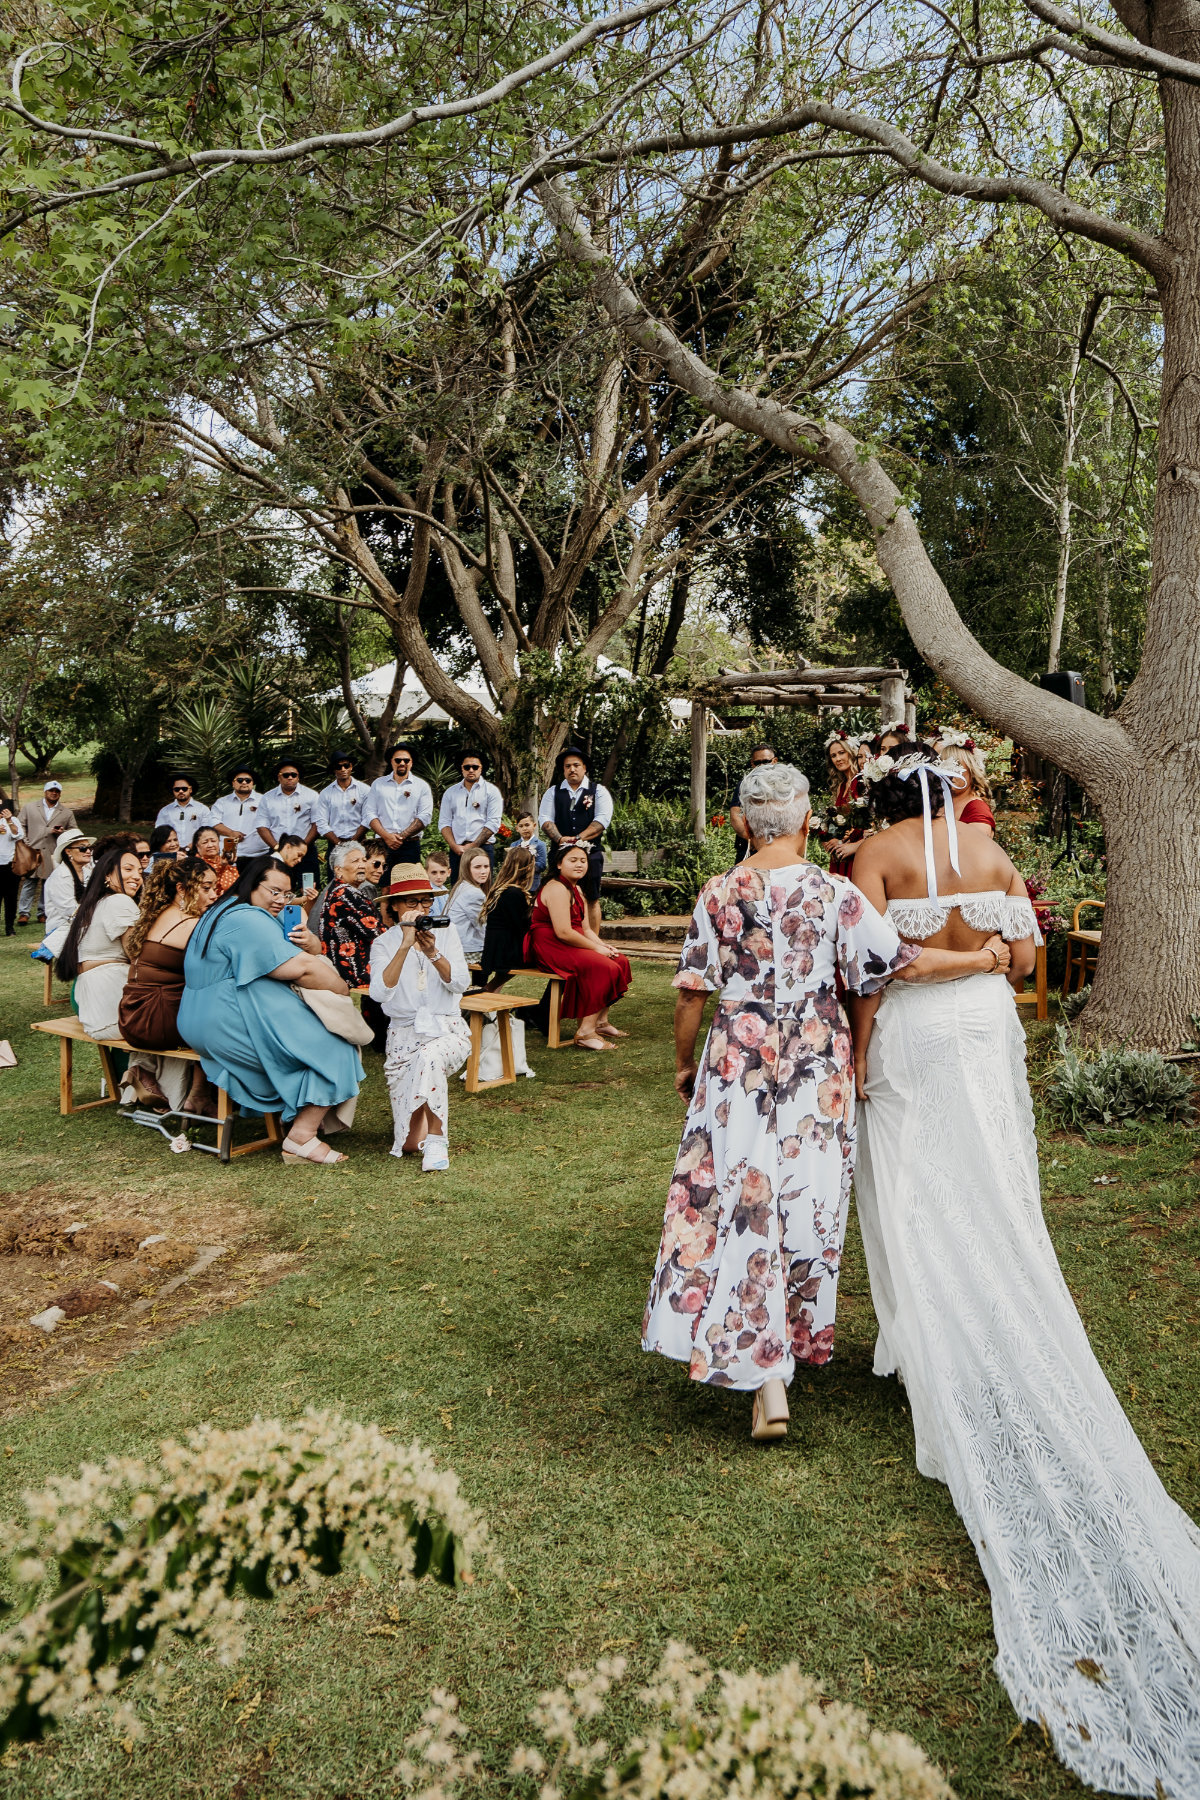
{"x":341,"y":815}
{"x":418,"y":977}
{"x":235,"y":815}
{"x":470,"y":813}
{"x":290,"y":810}
{"x":44,"y":822}
{"x":399,"y":807}
{"x":579,"y":810}
{"x":184,"y":813}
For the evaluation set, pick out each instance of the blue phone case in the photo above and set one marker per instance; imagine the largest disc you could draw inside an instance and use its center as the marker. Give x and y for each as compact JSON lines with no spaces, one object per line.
{"x":289,"y":918}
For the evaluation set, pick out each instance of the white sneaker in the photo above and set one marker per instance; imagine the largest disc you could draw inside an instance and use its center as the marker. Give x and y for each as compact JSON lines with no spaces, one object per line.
{"x":436,"y":1155}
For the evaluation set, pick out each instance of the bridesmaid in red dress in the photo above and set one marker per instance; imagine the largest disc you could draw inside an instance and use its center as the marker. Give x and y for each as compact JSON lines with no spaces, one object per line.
{"x":972,"y":800}
{"x":842,"y":841}
{"x":561,"y":943}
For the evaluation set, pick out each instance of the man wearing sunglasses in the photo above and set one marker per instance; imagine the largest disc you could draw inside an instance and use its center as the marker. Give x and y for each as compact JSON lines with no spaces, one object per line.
{"x":471,"y":812}
{"x":184,"y":814}
{"x":235,"y":815}
{"x":399,"y":807}
{"x":341,"y":807}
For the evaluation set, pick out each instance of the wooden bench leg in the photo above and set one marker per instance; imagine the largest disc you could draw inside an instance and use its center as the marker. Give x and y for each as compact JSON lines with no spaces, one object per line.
{"x":66,"y":1084}
{"x":508,"y":1066}
{"x":472,"y":1081}
{"x":48,"y":984}
{"x":553,"y":1037}
{"x":1040,"y":979}
{"x":224,"y":1126}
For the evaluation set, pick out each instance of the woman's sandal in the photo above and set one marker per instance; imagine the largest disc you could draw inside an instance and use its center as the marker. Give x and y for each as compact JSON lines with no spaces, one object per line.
{"x":610,"y":1031}
{"x":589,"y":1043}
{"x":769,"y":1418}
{"x":308,"y":1152}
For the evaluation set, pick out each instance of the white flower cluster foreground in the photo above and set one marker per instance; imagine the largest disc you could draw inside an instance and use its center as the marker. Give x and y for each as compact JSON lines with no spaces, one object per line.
{"x":140,"y":1547}
{"x":760,"y":1737}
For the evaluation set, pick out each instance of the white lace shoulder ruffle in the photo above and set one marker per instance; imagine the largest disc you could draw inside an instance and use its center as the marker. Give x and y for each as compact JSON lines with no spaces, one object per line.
{"x":1010,"y":916}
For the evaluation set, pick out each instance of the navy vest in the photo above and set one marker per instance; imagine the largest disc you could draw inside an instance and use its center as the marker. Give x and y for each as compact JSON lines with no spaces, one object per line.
{"x":573,"y":815}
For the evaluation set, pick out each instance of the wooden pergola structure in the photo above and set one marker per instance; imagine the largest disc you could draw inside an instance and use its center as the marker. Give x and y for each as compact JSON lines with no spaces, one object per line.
{"x":804,"y":686}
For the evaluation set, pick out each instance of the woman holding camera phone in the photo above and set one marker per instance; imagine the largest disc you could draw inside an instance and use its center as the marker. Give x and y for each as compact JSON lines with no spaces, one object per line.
{"x":418,"y":973}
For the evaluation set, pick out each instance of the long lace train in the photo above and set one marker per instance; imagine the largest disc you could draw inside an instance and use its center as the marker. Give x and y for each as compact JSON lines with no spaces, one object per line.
{"x":1094,"y":1570}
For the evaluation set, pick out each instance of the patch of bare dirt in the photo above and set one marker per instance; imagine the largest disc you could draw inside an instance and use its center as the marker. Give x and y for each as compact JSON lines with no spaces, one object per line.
{"x":122,"y":1270}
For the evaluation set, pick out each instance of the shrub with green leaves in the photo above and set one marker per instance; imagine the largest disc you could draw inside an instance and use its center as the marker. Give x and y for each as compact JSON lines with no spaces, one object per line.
{"x":178,"y":1545}
{"x":1108,"y":1086}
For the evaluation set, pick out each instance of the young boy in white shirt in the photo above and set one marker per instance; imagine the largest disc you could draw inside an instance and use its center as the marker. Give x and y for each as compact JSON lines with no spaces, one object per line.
{"x":528,"y":839}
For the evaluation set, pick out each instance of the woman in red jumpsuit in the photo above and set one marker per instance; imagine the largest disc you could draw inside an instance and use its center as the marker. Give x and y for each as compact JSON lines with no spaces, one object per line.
{"x":561,"y":943}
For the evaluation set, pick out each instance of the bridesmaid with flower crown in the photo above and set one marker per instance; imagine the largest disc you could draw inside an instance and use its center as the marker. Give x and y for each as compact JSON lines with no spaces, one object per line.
{"x":841,"y":836}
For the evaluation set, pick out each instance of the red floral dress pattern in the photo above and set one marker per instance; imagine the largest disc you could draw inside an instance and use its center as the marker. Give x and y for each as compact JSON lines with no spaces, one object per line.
{"x":746,"y":1280}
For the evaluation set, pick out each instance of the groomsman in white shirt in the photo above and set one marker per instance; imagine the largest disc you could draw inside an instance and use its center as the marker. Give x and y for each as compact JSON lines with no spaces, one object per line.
{"x":235,"y":815}
{"x":399,"y":807}
{"x":471,"y":812}
{"x":185,"y":814}
{"x":290,"y":810}
{"x":341,"y":807}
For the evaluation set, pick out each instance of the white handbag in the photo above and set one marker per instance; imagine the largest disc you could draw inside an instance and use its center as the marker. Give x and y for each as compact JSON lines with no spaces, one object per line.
{"x":337,"y":1013}
{"x":491,"y":1067}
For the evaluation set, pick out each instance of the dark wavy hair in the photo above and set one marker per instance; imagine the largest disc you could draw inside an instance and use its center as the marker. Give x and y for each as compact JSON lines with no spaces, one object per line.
{"x":95,"y":891}
{"x":252,"y":870}
{"x":892,"y":799}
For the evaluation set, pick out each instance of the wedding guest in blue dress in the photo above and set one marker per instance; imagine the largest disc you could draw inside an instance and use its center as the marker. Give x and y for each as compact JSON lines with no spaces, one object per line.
{"x":257,"y":1039}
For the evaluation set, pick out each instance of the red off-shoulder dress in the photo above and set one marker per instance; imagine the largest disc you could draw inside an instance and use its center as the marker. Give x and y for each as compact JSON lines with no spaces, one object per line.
{"x":593,"y":981}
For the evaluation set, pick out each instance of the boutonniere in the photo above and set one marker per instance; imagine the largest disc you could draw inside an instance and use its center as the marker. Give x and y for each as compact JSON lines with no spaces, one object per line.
{"x":587,"y":799}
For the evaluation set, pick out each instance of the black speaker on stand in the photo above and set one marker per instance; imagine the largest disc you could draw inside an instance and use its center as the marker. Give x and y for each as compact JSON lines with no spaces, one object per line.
{"x":1068,"y":685}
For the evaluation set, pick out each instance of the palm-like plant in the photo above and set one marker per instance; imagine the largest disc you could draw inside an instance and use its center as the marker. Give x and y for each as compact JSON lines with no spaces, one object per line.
{"x":204,"y":736}
{"x":323,"y":726}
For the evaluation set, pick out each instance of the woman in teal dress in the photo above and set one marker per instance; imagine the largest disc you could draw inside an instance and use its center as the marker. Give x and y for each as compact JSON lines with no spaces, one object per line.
{"x":257,"y":1039}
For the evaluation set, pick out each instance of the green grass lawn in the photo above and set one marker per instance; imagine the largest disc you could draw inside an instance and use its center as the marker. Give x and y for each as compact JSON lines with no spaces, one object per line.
{"x":494,"y":1313}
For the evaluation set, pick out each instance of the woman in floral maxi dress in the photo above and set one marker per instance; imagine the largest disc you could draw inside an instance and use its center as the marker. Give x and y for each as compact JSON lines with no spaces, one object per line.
{"x":745,"y":1285}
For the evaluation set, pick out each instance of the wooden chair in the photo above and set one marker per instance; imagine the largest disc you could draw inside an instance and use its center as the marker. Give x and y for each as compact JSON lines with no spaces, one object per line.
{"x":70,"y":1032}
{"x":1038,"y":997}
{"x":476,"y":1007}
{"x":1083,"y":948}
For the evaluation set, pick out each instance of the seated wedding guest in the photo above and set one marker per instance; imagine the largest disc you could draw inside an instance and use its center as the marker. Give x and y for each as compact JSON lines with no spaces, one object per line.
{"x":579,"y":810}
{"x":350,"y":922}
{"x":466,"y":902}
{"x":527,"y":832}
{"x":235,"y":815}
{"x":141,"y":850}
{"x":43,"y":822}
{"x":207,"y":846}
{"x":562,"y":943}
{"x":72,"y":863}
{"x":505,"y":915}
{"x":164,"y":845}
{"x":291,"y":851}
{"x":290,"y":810}
{"x":184,"y":811}
{"x":438,"y":870}
{"x":94,"y":956}
{"x":470,"y":814}
{"x":11,"y":833}
{"x":341,"y":807}
{"x":418,"y":978}
{"x":374,"y":869}
{"x":972,"y":798}
{"x":257,"y":1039}
{"x":175,"y":897}
{"x":399,"y":807}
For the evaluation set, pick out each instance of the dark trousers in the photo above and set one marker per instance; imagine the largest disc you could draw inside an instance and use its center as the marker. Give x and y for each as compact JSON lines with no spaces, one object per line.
{"x":456,"y":861}
{"x":407,"y":852}
{"x":9,"y":886}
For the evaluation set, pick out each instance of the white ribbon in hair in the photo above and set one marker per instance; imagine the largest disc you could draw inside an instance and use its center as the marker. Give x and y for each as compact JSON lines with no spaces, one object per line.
{"x":947,"y":774}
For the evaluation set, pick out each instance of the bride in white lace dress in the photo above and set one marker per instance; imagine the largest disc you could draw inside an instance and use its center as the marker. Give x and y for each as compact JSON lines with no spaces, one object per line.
{"x":1094,"y":1570}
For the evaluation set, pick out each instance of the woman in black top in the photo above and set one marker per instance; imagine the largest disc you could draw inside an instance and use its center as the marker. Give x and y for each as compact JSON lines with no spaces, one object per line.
{"x":506,"y":917}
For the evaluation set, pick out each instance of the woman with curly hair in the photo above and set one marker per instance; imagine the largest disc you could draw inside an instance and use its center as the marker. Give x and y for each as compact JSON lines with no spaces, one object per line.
{"x":175,"y":898}
{"x":842,"y":835}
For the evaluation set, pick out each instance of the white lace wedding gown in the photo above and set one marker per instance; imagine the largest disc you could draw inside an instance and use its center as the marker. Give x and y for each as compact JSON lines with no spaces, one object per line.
{"x":1094,"y":1570}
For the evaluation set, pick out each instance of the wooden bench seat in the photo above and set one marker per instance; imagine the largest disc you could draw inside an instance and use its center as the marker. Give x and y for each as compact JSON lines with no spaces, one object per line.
{"x":557,"y":985}
{"x":476,"y":1008}
{"x":70,"y":1032}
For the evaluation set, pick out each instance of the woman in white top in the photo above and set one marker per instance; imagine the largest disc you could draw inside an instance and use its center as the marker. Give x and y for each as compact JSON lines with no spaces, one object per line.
{"x":64,"y":888}
{"x":11,"y":831}
{"x":466,"y":902}
{"x":1094,"y":1570}
{"x":94,"y":955}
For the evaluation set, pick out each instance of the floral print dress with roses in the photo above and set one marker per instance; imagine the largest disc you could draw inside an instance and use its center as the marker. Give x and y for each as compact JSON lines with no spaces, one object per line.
{"x":746,"y":1280}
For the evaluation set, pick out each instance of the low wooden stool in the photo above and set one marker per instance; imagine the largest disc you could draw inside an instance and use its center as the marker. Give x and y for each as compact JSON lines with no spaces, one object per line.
{"x":558,"y":985}
{"x":1038,"y":997}
{"x":1083,"y":948}
{"x":476,"y":1008}
{"x":70,"y":1032}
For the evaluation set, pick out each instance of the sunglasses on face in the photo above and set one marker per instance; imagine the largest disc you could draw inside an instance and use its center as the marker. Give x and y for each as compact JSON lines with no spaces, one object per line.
{"x":182,"y":790}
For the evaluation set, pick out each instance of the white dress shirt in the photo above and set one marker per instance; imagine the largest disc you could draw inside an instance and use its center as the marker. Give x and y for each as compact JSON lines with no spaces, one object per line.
{"x":289,"y":815}
{"x":342,"y":810}
{"x":397,"y":803}
{"x":185,"y":821}
{"x":420,"y":988}
{"x":602,"y":811}
{"x":11,"y":833}
{"x":241,"y":815}
{"x":466,"y":810}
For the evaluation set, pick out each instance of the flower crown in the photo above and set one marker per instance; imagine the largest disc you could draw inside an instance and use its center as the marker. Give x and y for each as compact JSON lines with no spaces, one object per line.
{"x":842,"y":737}
{"x":877,"y":768}
{"x":956,"y":740}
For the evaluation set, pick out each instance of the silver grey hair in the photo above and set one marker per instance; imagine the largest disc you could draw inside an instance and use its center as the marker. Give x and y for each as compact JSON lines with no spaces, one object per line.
{"x":340,"y":852}
{"x":774,"y":798}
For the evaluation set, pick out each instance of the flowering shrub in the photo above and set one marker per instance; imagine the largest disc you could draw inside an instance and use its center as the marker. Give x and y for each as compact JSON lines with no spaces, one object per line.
{"x":762,"y":1737}
{"x":177,"y":1544}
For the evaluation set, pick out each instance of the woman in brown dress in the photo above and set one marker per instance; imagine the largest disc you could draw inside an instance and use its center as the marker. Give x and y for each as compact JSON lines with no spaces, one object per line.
{"x":174,"y":899}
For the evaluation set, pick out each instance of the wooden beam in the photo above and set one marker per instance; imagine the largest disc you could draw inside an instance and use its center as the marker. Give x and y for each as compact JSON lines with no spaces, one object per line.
{"x":813,"y":677}
{"x":699,"y":795}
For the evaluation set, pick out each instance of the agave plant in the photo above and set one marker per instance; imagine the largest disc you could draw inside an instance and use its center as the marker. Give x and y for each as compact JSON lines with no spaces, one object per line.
{"x":321,"y":727}
{"x":204,"y":734}
{"x":257,"y":703}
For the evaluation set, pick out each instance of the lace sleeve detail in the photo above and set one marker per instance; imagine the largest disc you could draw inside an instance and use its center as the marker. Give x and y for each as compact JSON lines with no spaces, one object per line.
{"x":1010,"y":915}
{"x":918,"y":919}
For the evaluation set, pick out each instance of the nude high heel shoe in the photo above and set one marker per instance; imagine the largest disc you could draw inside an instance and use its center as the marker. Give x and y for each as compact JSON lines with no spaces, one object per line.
{"x":769,"y":1418}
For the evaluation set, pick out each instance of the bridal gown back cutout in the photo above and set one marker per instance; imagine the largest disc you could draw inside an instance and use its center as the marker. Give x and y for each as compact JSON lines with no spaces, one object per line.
{"x":1094,"y":1571}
